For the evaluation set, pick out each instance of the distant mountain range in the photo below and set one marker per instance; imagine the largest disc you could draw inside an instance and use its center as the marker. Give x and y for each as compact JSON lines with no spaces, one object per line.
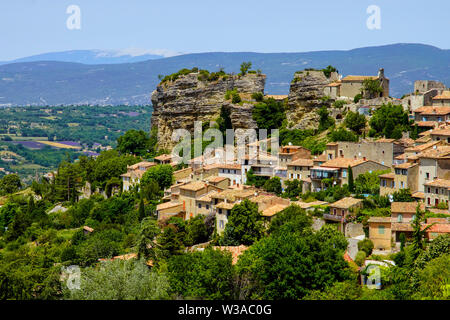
{"x":98,"y":56}
{"x":62,"y":83}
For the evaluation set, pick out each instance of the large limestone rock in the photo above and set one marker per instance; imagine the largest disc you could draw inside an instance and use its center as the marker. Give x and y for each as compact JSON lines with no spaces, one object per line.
{"x":306,"y":95}
{"x":177,"y":104}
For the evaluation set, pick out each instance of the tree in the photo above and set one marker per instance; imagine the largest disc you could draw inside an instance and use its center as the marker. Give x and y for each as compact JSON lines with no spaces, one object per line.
{"x":291,"y":219}
{"x":134,"y":142}
{"x":162,"y":174}
{"x":328,"y":70}
{"x":291,"y":265}
{"x":293,"y":189}
{"x":269,"y":114}
{"x":351,"y":184}
{"x":372,"y":88}
{"x":366,"y":245}
{"x":273,"y":185}
{"x":196,"y":231}
{"x":342,"y":135}
{"x":120,"y":280}
{"x":146,"y":239}
{"x":368,"y":182}
{"x":141,"y":208}
{"x":355,"y":122}
{"x":433,"y":279}
{"x":202,"y":275}
{"x":360,"y":258}
{"x":418,"y":233}
{"x":10,"y":183}
{"x":245,"y":66}
{"x":325,"y":121}
{"x":403,"y":195}
{"x":244,"y":225}
{"x":386,"y":118}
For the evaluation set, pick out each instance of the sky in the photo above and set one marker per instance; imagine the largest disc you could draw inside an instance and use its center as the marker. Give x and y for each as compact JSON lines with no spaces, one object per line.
{"x":29,"y":27}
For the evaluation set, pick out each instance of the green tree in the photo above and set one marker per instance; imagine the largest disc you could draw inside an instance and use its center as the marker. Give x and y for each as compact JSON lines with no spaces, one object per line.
{"x":162,"y":174}
{"x":403,"y":195}
{"x":245,"y":66}
{"x":10,"y":183}
{"x":293,"y":189}
{"x":273,"y":185}
{"x":291,"y":265}
{"x":366,"y":245}
{"x":269,"y":114}
{"x":351,"y":183}
{"x":372,"y":88}
{"x":291,"y":219}
{"x":120,"y":280}
{"x":244,"y":225}
{"x":355,"y":122}
{"x":202,"y":275}
{"x":135,"y":142}
{"x":325,"y":121}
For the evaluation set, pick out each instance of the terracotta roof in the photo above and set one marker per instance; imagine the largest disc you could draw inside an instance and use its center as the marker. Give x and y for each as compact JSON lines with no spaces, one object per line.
{"x":273,"y":210}
{"x":418,"y":194}
{"x":443,"y":96}
{"x":342,"y":162}
{"x":440,"y":228}
{"x":423,"y":139}
{"x":345,"y":203}
{"x":433,"y":110}
{"x":166,"y":205}
{"x":322,"y":157}
{"x":164,"y":157}
{"x":215,"y":179}
{"x":422,"y":147}
{"x":194,"y":186}
{"x":144,"y":164}
{"x":428,"y":124}
{"x":385,"y":140}
{"x":405,"y":165}
{"x":440,"y":183}
{"x":206,"y":197}
{"x":389,"y":175}
{"x":359,"y":78}
{"x":334,"y":84}
{"x":380,"y":219}
{"x":405,"y":207}
{"x":88,"y":229}
{"x":440,"y":132}
{"x":225,"y":205}
{"x":442,"y":211}
{"x":235,"y":251}
{"x":439,"y":152}
{"x":301,"y":162}
{"x":230,"y":166}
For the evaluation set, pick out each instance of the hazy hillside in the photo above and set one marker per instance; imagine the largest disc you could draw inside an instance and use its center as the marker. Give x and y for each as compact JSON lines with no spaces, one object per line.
{"x":92,"y":56}
{"x":57,"y":83}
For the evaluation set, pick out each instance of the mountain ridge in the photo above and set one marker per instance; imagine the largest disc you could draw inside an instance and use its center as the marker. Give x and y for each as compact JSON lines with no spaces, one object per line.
{"x":55,"y":83}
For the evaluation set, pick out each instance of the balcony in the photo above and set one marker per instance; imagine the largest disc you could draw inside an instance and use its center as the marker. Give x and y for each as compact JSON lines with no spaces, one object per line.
{"x":333,"y":217}
{"x":324,"y":173}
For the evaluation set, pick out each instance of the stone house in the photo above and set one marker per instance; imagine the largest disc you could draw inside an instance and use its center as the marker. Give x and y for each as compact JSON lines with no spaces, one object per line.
{"x":436,"y":191}
{"x":405,"y":176}
{"x":380,"y":233}
{"x":350,"y":86}
{"x":233,"y":172}
{"x":442,"y":99}
{"x":382,"y":150}
{"x":437,"y":114}
{"x":134,"y":174}
{"x":289,"y":153}
{"x":336,"y":170}
{"x":341,"y":210}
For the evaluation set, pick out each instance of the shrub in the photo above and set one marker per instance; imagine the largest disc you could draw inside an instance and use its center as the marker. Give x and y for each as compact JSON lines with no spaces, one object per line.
{"x":339,"y":103}
{"x":366,"y":245}
{"x":235,"y":98}
{"x":258,"y":96}
{"x":360,"y":258}
{"x":357,"y":98}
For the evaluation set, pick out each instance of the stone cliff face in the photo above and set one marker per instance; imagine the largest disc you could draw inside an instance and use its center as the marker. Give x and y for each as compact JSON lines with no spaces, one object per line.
{"x":177,"y":104}
{"x":305,"y":97}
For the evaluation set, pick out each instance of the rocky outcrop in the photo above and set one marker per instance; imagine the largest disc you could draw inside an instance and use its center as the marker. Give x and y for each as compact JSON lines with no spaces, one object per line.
{"x":177,"y":104}
{"x":306,"y":95}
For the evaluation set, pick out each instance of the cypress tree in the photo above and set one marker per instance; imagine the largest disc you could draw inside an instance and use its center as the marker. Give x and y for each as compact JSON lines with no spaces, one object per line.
{"x":351,"y":184}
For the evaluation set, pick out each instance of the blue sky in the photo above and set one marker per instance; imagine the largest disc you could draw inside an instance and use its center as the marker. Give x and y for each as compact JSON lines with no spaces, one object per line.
{"x":30,"y":27}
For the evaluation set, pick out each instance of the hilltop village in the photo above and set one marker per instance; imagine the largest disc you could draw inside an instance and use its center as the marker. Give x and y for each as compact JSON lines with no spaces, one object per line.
{"x":355,"y":179}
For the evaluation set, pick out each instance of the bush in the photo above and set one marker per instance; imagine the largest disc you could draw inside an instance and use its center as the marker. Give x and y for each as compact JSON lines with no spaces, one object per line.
{"x":366,"y":245}
{"x":357,"y":98}
{"x":258,"y":96}
{"x":339,"y":103}
{"x":235,"y":98}
{"x":360,"y":258}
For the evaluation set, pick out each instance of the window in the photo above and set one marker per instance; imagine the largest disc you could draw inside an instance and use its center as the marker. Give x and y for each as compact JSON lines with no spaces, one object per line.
{"x":400,"y":218}
{"x":428,"y":190}
{"x":402,"y":185}
{"x":220,"y":211}
{"x":199,"y":205}
{"x":380,"y":229}
{"x":427,"y":175}
{"x":207,"y":207}
{"x":344,"y":173}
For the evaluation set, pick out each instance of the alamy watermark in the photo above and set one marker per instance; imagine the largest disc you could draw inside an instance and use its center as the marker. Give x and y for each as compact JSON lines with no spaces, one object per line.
{"x":72,"y":276}
{"x":374,"y":20}
{"x":73,"y":22}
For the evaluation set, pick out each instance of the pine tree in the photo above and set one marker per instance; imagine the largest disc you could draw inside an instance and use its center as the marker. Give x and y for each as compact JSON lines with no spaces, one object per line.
{"x":141,"y":208}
